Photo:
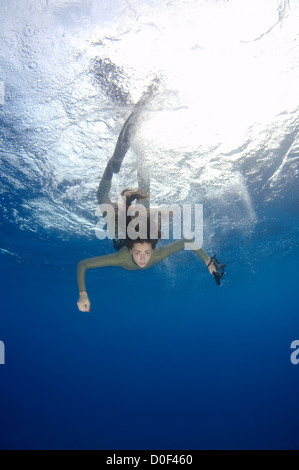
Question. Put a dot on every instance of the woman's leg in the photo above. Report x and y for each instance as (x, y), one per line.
(123, 145)
(143, 179)
(114, 164)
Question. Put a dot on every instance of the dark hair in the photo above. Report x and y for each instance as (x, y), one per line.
(137, 195)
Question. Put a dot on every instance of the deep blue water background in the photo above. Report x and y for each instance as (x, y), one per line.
(164, 360)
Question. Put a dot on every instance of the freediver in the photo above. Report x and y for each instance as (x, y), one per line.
(139, 253)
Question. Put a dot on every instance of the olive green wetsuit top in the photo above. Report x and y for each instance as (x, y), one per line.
(123, 259)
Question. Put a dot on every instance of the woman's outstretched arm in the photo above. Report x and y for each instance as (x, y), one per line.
(179, 245)
(97, 262)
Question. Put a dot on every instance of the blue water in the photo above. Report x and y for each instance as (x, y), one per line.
(165, 359)
(191, 366)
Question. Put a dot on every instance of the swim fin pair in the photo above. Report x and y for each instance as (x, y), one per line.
(219, 269)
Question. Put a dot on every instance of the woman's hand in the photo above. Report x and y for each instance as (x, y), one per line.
(83, 302)
(216, 269)
(212, 268)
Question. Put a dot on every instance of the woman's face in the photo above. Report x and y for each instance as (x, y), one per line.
(141, 253)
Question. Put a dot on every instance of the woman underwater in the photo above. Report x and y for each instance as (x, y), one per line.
(141, 252)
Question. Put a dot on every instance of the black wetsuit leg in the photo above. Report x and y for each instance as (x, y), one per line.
(114, 164)
(123, 145)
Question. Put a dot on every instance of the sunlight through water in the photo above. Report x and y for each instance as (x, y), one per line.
(221, 129)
